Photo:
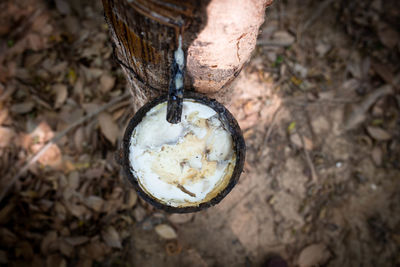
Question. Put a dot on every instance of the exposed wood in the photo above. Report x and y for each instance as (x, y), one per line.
(218, 38)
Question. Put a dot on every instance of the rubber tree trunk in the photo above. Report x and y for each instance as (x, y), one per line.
(218, 38)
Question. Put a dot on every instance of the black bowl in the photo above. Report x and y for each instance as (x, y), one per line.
(230, 124)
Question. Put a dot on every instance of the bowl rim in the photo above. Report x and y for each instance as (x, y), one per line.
(233, 127)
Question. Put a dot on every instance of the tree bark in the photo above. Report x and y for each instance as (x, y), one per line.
(218, 38)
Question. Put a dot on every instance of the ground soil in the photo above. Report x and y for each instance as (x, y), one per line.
(319, 108)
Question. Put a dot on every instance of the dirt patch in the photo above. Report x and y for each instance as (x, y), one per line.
(319, 108)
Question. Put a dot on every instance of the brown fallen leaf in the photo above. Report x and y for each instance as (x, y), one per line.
(384, 71)
(165, 231)
(106, 83)
(76, 240)
(85, 263)
(108, 127)
(3, 257)
(6, 136)
(24, 250)
(139, 213)
(56, 260)
(3, 115)
(60, 210)
(48, 241)
(22, 108)
(34, 141)
(377, 155)
(73, 180)
(96, 250)
(388, 35)
(63, 7)
(295, 139)
(131, 198)
(378, 133)
(7, 237)
(6, 212)
(180, 218)
(279, 38)
(111, 237)
(65, 248)
(313, 255)
(79, 211)
(95, 203)
(355, 114)
(61, 94)
(79, 138)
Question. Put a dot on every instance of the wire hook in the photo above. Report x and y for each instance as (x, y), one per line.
(175, 93)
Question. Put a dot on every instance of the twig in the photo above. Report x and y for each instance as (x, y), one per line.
(314, 175)
(54, 140)
(318, 12)
(269, 131)
(271, 126)
(322, 6)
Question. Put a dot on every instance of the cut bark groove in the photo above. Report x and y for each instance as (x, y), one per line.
(218, 38)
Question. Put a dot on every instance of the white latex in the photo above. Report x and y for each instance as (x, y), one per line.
(171, 160)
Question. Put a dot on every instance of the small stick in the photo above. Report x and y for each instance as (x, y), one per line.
(54, 140)
(272, 124)
(309, 161)
(316, 13)
(184, 190)
(269, 131)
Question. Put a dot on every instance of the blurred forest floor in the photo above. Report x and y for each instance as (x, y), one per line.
(319, 107)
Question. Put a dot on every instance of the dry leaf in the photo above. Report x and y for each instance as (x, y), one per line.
(61, 93)
(139, 213)
(313, 255)
(34, 141)
(283, 38)
(116, 193)
(22, 108)
(85, 263)
(296, 139)
(63, 7)
(79, 138)
(7, 237)
(79, 211)
(5, 213)
(388, 35)
(355, 114)
(60, 210)
(165, 231)
(322, 49)
(65, 248)
(131, 198)
(3, 257)
(180, 218)
(108, 127)
(111, 237)
(6, 136)
(106, 83)
(95, 250)
(48, 241)
(3, 115)
(76, 240)
(24, 250)
(95, 203)
(73, 180)
(320, 125)
(378, 133)
(56, 261)
(279, 38)
(384, 71)
(377, 155)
